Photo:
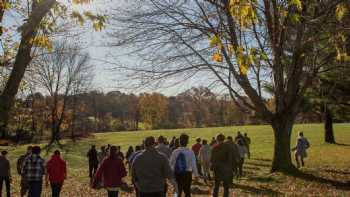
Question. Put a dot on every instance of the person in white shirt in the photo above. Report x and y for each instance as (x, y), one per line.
(183, 162)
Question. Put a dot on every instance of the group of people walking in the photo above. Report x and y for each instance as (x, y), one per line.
(33, 170)
(158, 161)
(151, 166)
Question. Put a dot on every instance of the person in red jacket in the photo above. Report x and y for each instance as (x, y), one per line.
(56, 173)
(112, 170)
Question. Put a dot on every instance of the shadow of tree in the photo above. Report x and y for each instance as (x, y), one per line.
(257, 164)
(313, 178)
(260, 191)
(341, 144)
(262, 179)
(262, 159)
(337, 171)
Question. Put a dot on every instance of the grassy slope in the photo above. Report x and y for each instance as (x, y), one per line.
(328, 162)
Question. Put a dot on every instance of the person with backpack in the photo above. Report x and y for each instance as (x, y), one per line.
(222, 163)
(93, 161)
(204, 157)
(5, 173)
(302, 145)
(24, 183)
(56, 173)
(150, 170)
(34, 169)
(184, 164)
(112, 171)
(195, 148)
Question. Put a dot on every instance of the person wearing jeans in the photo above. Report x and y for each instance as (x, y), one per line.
(5, 173)
(56, 173)
(187, 157)
(33, 170)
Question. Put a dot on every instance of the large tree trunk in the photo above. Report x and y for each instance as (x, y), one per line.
(328, 126)
(23, 58)
(282, 161)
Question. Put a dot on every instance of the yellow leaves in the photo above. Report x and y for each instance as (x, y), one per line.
(341, 11)
(243, 11)
(78, 17)
(297, 4)
(217, 57)
(81, 1)
(42, 42)
(213, 41)
(5, 5)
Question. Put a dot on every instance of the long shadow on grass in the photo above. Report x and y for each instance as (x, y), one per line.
(310, 177)
(258, 164)
(338, 171)
(341, 144)
(260, 191)
(262, 159)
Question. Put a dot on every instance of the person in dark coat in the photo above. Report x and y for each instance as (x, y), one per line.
(235, 154)
(5, 173)
(222, 162)
(93, 161)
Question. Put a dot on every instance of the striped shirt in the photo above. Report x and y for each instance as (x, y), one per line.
(33, 168)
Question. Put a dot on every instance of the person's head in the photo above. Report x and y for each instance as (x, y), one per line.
(36, 150)
(150, 142)
(198, 140)
(205, 142)
(177, 142)
(245, 134)
(4, 153)
(239, 133)
(130, 149)
(161, 140)
(301, 134)
(119, 148)
(240, 142)
(220, 138)
(183, 140)
(57, 153)
(93, 147)
(137, 148)
(113, 151)
(103, 148)
(229, 138)
(29, 149)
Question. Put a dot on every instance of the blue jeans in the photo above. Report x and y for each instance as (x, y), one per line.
(35, 188)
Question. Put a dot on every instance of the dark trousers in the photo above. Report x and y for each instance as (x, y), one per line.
(56, 189)
(92, 169)
(184, 181)
(217, 186)
(7, 183)
(112, 193)
(240, 166)
(153, 194)
(35, 188)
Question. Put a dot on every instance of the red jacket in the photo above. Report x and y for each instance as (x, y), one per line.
(56, 169)
(196, 147)
(112, 170)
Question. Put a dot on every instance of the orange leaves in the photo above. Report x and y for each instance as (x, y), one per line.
(217, 57)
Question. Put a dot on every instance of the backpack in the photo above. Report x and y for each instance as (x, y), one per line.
(180, 164)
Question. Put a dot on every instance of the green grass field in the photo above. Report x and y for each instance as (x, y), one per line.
(329, 165)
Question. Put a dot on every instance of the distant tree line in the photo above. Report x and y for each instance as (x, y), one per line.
(33, 117)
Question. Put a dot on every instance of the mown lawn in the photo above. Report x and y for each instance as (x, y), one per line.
(327, 167)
